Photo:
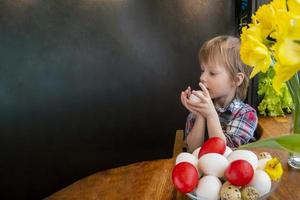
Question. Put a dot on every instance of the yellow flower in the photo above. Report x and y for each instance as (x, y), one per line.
(265, 17)
(294, 7)
(283, 22)
(274, 169)
(287, 51)
(279, 4)
(253, 52)
(283, 74)
(273, 37)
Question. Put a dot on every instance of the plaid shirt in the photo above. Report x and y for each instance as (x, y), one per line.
(238, 122)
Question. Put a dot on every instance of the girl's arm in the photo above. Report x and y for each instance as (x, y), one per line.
(196, 134)
(195, 130)
(207, 109)
(214, 127)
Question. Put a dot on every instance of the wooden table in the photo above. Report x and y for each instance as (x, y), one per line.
(143, 180)
(274, 126)
(152, 179)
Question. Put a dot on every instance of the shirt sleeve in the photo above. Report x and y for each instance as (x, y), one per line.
(190, 121)
(241, 129)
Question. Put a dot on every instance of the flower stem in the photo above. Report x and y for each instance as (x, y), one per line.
(294, 88)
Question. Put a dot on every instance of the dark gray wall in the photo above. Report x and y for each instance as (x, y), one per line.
(87, 85)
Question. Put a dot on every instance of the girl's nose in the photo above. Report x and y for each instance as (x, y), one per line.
(202, 78)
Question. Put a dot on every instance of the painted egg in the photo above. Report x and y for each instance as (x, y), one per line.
(239, 172)
(212, 145)
(185, 177)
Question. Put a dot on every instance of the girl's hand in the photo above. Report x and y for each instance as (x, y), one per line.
(185, 95)
(205, 107)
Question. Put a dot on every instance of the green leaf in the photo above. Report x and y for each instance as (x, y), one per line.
(290, 143)
(273, 103)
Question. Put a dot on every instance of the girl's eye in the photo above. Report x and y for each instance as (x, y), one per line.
(212, 73)
(201, 70)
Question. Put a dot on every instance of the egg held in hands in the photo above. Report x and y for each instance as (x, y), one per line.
(194, 98)
(185, 177)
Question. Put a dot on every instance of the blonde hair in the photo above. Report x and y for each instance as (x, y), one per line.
(226, 50)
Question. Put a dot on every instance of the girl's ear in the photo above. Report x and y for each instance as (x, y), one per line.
(239, 78)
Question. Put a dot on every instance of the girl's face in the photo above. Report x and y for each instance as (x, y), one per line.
(218, 82)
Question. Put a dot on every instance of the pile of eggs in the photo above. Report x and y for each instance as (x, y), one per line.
(214, 172)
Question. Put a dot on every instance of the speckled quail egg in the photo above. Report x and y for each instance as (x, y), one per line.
(230, 192)
(264, 155)
(227, 183)
(249, 193)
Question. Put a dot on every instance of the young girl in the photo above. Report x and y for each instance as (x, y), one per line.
(220, 111)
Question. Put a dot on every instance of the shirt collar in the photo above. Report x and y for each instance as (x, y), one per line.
(235, 103)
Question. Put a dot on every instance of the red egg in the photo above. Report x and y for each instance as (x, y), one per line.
(212, 145)
(185, 177)
(239, 172)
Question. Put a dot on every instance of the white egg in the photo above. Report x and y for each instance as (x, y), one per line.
(213, 164)
(209, 188)
(227, 151)
(243, 155)
(196, 152)
(262, 163)
(261, 181)
(187, 157)
(194, 98)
